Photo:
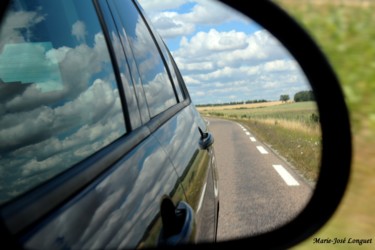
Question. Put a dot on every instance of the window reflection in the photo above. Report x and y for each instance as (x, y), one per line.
(156, 83)
(59, 101)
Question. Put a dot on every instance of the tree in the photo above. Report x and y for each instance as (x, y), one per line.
(304, 96)
(284, 98)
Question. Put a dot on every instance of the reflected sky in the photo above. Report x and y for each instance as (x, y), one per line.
(130, 193)
(60, 101)
(156, 83)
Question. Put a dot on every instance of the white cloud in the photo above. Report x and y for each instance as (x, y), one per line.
(237, 46)
(172, 24)
(76, 66)
(191, 80)
(280, 65)
(35, 165)
(25, 127)
(199, 93)
(208, 12)
(79, 31)
(197, 66)
(10, 30)
(90, 106)
(228, 49)
(157, 5)
(159, 97)
(36, 127)
(236, 64)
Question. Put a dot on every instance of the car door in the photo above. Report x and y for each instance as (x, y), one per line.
(79, 168)
(195, 166)
(188, 143)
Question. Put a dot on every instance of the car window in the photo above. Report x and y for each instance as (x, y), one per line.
(154, 76)
(59, 101)
(172, 71)
(177, 78)
(168, 59)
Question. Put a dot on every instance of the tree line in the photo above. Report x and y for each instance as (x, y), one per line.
(302, 96)
(232, 103)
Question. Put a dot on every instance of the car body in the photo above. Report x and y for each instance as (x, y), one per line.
(100, 144)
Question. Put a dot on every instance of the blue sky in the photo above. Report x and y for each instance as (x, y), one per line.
(222, 55)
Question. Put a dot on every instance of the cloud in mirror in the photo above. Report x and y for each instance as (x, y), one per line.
(60, 103)
(150, 64)
(225, 56)
(96, 220)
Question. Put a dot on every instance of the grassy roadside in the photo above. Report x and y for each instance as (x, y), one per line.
(290, 129)
(345, 32)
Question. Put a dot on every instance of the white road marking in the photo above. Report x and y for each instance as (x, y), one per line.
(247, 133)
(262, 150)
(244, 129)
(253, 139)
(288, 178)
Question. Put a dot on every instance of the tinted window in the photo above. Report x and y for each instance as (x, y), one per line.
(168, 58)
(59, 101)
(177, 78)
(172, 71)
(156, 83)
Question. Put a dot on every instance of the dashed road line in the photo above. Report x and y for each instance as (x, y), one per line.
(284, 174)
(288, 178)
(262, 150)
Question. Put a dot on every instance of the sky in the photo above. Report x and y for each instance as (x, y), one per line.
(223, 55)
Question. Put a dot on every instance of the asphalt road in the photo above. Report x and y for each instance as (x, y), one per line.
(254, 196)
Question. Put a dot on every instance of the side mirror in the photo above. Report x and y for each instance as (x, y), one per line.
(335, 155)
(335, 127)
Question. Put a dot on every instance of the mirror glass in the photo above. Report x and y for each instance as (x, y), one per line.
(259, 106)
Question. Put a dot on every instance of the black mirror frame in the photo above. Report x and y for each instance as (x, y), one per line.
(335, 125)
(337, 147)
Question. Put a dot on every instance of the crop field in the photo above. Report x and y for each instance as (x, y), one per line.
(239, 106)
(302, 113)
(290, 129)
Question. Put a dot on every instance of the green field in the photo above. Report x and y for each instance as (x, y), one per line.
(304, 113)
(290, 129)
(345, 31)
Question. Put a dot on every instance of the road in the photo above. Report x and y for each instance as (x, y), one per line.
(258, 189)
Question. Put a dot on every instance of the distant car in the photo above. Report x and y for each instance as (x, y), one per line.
(100, 144)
